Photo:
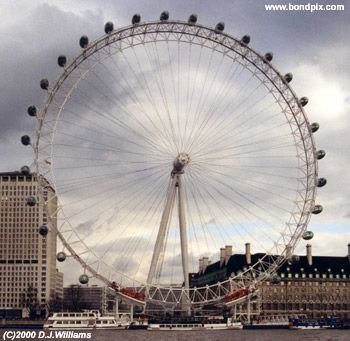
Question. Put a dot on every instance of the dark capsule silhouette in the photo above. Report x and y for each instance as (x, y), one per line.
(109, 27)
(320, 154)
(192, 18)
(43, 230)
(220, 26)
(276, 279)
(288, 77)
(317, 209)
(83, 279)
(164, 15)
(61, 256)
(136, 19)
(303, 101)
(44, 84)
(294, 259)
(268, 56)
(62, 60)
(32, 111)
(307, 235)
(25, 170)
(31, 201)
(245, 39)
(314, 127)
(84, 42)
(321, 182)
(25, 139)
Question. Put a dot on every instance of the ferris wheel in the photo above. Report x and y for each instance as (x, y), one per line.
(165, 141)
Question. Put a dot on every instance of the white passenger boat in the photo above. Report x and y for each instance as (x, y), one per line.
(87, 320)
(205, 324)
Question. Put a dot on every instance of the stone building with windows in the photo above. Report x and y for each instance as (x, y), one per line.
(28, 277)
(314, 285)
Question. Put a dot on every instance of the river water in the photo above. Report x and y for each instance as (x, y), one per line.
(208, 335)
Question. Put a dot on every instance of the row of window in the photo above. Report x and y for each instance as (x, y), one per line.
(317, 275)
(18, 212)
(18, 178)
(9, 187)
(304, 306)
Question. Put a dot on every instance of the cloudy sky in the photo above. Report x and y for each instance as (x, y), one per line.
(313, 46)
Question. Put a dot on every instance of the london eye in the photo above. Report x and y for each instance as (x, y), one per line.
(165, 141)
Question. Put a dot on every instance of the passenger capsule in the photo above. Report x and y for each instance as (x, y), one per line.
(303, 101)
(276, 279)
(84, 42)
(307, 235)
(268, 56)
(294, 259)
(109, 27)
(245, 39)
(321, 182)
(288, 77)
(25, 139)
(320, 154)
(220, 26)
(32, 111)
(83, 279)
(136, 19)
(25, 170)
(61, 256)
(43, 230)
(314, 127)
(317, 209)
(62, 60)
(164, 15)
(44, 84)
(192, 19)
(31, 201)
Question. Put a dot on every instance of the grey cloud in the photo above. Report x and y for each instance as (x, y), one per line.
(29, 57)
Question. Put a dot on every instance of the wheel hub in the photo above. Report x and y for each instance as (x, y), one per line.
(180, 162)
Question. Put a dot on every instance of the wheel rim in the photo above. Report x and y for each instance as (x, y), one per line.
(203, 136)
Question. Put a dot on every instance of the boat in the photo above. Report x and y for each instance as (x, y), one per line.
(269, 322)
(195, 324)
(91, 319)
(321, 323)
(137, 325)
(312, 324)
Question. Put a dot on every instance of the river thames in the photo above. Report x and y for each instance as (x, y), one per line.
(242, 335)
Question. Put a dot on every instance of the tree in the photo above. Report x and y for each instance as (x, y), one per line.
(29, 300)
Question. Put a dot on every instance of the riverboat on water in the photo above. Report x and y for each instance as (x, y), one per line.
(321, 323)
(87, 320)
(205, 324)
(269, 322)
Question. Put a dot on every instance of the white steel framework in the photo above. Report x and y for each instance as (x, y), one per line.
(63, 101)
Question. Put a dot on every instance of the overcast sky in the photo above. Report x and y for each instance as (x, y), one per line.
(313, 46)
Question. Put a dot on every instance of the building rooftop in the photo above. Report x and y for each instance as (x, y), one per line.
(15, 173)
(320, 265)
(29, 176)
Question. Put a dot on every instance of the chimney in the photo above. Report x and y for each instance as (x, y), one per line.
(288, 252)
(228, 253)
(222, 256)
(248, 257)
(205, 264)
(309, 254)
(200, 265)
